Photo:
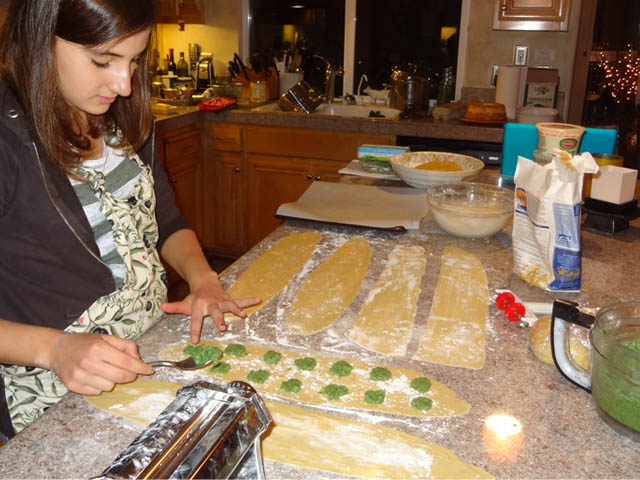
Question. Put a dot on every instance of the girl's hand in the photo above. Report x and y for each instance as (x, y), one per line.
(89, 363)
(208, 298)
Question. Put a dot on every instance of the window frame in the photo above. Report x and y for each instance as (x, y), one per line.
(350, 22)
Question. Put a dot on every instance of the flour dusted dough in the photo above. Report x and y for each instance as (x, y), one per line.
(398, 390)
(579, 345)
(386, 318)
(310, 439)
(275, 268)
(323, 442)
(456, 325)
(330, 288)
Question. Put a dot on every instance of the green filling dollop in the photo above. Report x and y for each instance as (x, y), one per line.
(258, 376)
(221, 368)
(235, 350)
(632, 344)
(421, 384)
(422, 403)
(307, 363)
(334, 392)
(380, 374)
(375, 397)
(272, 357)
(293, 385)
(202, 354)
(341, 368)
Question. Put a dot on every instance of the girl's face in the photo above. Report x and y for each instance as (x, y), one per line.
(91, 78)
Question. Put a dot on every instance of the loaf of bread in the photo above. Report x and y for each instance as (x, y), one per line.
(485, 112)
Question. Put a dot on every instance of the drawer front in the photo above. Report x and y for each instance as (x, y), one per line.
(227, 138)
(310, 143)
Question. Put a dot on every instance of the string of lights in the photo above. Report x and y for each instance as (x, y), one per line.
(621, 75)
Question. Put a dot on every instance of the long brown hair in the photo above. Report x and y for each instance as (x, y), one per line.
(28, 65)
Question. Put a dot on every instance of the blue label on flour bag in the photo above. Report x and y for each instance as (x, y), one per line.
(567, 264)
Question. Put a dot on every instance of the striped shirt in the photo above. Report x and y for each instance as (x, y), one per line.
(121, 175)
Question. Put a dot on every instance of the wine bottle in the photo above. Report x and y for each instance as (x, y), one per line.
(183, 67)
(172, 63)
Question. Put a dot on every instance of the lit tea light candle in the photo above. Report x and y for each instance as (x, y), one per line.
(502, 437)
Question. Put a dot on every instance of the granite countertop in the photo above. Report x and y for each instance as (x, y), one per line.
(563, 434)
(424, 127)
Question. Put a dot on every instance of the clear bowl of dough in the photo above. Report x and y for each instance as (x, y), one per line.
(470, 210)
(423, 169)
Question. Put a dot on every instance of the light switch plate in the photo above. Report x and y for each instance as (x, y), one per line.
(521, 55)
(494, 75)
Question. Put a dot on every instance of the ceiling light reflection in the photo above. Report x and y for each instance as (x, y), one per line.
(502, 437)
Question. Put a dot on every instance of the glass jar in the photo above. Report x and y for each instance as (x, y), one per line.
(447, 87)
(615, 362)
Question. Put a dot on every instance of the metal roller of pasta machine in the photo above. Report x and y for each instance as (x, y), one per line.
(208, 431)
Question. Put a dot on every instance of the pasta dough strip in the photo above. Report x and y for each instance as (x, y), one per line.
(456, 324)
(386, 318)
(330, 288)
(311, 439)
(274, 269)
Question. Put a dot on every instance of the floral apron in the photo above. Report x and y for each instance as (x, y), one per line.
(127, 312)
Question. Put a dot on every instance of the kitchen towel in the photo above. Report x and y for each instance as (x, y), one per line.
(397, 208)
(510, 88)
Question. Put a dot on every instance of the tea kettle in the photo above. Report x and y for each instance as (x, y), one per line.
(614, 376)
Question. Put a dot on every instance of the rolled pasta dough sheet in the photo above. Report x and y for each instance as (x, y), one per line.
(311, 439)
(385, 320)
(330, 288)
(274, 269)
(457, 320)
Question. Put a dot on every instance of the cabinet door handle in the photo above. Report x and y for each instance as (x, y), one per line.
(172, 180)
(309, 177)
(237, 169)
(503, 8)
(318, 177)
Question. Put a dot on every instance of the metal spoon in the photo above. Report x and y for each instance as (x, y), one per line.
(187, 364)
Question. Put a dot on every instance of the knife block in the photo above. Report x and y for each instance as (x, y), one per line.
(272, 82)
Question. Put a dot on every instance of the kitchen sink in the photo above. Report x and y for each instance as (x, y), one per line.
(339, 110)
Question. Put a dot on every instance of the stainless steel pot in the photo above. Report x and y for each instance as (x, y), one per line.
(409, 90)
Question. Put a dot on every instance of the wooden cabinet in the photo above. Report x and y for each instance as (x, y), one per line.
(225, 191)
(180, 11)
(542, 15)
(273, 181)
(180, 151)
(255, 169)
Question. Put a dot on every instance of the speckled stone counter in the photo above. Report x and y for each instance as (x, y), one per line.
(563, 436)
(425, 127)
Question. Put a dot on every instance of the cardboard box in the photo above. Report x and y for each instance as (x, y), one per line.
(375, 158)
(541, 88)
(614, 184)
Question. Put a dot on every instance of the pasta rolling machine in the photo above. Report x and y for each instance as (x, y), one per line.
(208, 431)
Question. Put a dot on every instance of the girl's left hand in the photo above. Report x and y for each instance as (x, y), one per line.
(207, 298)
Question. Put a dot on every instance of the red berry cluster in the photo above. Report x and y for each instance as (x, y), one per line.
(513, 310)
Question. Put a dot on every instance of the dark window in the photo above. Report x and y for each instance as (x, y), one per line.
(419, 34)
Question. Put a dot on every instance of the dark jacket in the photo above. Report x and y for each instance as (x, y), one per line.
(50, 267)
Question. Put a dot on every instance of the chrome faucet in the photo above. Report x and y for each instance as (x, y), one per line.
(329, 78)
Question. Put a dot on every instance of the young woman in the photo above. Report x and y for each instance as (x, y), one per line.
(85, 207)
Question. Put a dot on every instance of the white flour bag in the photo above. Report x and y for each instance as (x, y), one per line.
(546, 221)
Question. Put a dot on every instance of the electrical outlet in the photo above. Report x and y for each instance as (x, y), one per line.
(494, 75)
(521, 55)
